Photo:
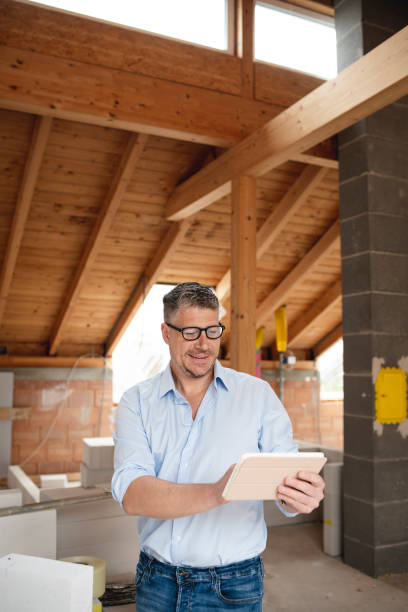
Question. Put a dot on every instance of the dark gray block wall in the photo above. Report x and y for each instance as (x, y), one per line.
(373, 175)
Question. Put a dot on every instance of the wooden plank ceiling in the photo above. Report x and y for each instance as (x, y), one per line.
(85, 197)
(75, 171)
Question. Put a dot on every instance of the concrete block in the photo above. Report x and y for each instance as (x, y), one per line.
(348, 14)
(10, 498)
(371, 270)
(91, 477)
(101, 529)
(29, 533)
(97, 453)
(32, 584)
(18, 479)
(53, 481)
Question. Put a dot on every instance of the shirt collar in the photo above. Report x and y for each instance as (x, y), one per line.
(167, 382)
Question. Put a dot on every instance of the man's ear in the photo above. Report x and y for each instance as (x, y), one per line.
(165, 332)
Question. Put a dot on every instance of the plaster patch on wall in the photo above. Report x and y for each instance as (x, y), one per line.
(51, 398)
(376, 364)
(85, 411)
(403, 363)
(378, 428)
(403, 429)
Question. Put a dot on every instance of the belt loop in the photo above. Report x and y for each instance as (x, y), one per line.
(214, 578)
(148, 567)
(262, 567)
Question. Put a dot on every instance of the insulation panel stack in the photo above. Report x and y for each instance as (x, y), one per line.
(97, 461)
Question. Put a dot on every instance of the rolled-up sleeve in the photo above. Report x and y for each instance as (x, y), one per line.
(133, 457)
(276, 432)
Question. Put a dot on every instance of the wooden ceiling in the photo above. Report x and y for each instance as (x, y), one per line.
(99, 146)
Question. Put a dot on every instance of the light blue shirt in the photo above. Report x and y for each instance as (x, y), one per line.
(157, 436)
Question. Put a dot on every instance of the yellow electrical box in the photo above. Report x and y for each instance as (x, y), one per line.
(281, 329)
(391, 396)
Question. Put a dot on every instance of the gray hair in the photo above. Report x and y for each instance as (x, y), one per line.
(189, 294)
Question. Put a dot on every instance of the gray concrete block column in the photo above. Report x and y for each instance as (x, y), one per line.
(373, 178)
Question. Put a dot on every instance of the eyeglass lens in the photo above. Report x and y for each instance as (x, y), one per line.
(192, 333)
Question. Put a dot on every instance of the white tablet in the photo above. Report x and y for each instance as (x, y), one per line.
(257, 475)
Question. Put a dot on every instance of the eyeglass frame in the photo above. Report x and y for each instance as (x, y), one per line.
(201, 329)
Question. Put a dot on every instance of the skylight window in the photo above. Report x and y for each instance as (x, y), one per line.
(203, 22)
(297, 40)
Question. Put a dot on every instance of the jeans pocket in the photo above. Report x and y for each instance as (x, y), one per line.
(240, 589)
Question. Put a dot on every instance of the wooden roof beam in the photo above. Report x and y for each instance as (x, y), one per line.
(150, 276)
(313, 313)
(375, 80)
(124, 173)
(274, 224)
(35, 156)
(323, 154)
(316, 254)
(328, 340)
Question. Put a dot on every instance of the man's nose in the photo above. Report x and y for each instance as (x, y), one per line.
(202, 340)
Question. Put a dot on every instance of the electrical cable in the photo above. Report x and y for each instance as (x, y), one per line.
(62, 404)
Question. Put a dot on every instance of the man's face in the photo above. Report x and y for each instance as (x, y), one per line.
(193, 358)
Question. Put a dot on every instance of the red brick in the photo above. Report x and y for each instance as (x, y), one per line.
(51, 467)
(58, 434)
(71, 467)
(75, 434)
(28, 447)
(77, 451)
(30, 468)
(26, 435)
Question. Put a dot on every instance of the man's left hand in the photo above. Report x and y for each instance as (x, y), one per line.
(302, 494)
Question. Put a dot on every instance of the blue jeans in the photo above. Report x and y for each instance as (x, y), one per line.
(165, 588)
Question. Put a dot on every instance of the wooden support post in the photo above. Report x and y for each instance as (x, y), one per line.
(245, 44)
(243, 275)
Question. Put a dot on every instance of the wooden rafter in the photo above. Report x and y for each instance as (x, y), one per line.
(35, 156)
(323, 154)
(375, 80)
(27, 361)
(312, 5)
(328, 340)
(318, 252)
(273, 225)
(150, 276)
(316, 311)
(133, 151)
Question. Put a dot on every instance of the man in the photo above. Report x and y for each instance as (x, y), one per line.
(178, 436)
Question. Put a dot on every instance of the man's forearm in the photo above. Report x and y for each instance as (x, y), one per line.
(161, 499)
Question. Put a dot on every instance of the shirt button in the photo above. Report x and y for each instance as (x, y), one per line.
(178, 538)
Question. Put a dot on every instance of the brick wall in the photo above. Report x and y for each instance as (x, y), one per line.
(331, 423)
(78, 404)
(313, 420)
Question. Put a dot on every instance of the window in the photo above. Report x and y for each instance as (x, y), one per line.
(141, 352)
(330, 366)
(297, 39)
(203, 22)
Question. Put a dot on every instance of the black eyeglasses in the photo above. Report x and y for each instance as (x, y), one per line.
(193, 333)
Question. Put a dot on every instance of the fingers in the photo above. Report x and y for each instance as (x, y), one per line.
(304, 493)
(312, 477)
